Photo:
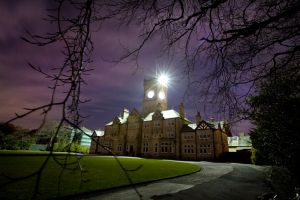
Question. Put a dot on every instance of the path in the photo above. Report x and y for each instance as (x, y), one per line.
(215, 181)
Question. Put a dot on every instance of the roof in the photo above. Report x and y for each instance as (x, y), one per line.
(122, 121)
(209, 124)
(99, 132)
(216, 124)
(167, 114)
(193, 126)
(86, 131)
(188, 128)
(82, 129)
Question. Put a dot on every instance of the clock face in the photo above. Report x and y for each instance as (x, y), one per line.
(161, 95)
(150, 94)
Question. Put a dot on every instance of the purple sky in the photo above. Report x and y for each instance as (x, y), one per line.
(110, 87)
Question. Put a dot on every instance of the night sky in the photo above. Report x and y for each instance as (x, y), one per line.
(110, 87)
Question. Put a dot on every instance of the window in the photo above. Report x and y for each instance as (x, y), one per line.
(120, 147)
(188, 137)
(205, 149)
(157, 124)
(108, 145)
(145, 147)
(156, 147)
(166, 147)
(188, 149)
(170, 134)
(162, 147)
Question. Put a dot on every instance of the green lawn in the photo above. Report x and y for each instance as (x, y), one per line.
(99, 173)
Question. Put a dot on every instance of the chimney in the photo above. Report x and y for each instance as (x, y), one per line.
(198, 118)
(125, 113)
(212, 120)
(219, 126)
(181, 110)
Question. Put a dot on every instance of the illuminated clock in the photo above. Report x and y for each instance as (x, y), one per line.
(161, 95)
(150, 94)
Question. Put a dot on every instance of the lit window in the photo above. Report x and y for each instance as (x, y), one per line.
(150, 94)
(162, 95)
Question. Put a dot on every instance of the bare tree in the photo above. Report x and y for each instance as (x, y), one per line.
(241, 42)
(73, 20)
(73, 32)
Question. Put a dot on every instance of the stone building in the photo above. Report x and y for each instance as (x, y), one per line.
(157, 132)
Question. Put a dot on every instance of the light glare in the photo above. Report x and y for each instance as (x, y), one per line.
(163, 80)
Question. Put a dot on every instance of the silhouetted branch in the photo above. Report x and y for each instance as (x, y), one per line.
(241, 41)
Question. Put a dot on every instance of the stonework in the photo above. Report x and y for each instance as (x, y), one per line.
(161, 133)
(151, 103)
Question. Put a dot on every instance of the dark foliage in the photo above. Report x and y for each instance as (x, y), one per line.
(242, 43)
(15, 138)
(7, 128)
(275, 111)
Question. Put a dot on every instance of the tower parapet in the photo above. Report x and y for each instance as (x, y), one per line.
(154, 93)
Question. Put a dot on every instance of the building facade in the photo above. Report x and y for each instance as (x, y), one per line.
(157, 132)
(239, 143)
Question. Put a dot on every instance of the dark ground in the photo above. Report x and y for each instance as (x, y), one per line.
(226, 181)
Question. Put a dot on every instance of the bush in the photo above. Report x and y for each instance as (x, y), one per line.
(9, 143)
(282, 182)
(258, 158)
(70, 147)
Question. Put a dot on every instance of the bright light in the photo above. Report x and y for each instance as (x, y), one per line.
(161, 95)
(150, 94)
(163, 80)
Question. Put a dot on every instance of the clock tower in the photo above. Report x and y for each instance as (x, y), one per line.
(155, 93)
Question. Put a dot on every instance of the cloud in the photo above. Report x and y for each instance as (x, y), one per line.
(111, 87)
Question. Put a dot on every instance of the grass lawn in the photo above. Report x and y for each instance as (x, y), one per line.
(99, 173)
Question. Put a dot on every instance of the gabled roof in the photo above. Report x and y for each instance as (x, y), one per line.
(82, 129)
(122, 120)
(203, 125)
(187, 128)
(86, 131)
(134, 112)
(98, 133)
(193, 126)
(167, 114)
(211, 125)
